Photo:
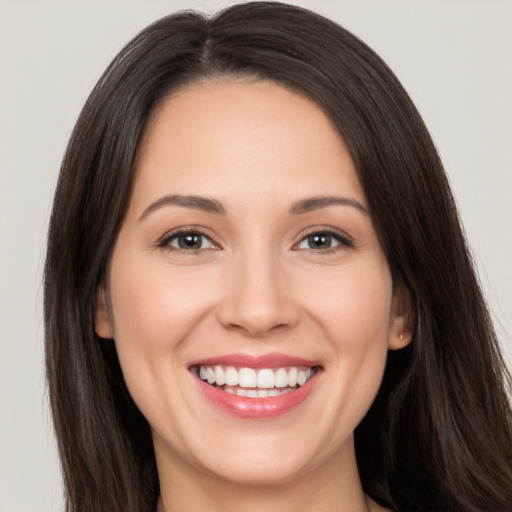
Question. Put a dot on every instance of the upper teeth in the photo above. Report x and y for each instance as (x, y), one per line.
(265, 378)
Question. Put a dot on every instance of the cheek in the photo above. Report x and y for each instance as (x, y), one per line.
(356, 321)
(363, 311)
(153, 309)
(353, 307)
(353, 304)
(153, 306)
(360, 327)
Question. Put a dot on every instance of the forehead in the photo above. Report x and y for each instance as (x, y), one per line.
(221, 138)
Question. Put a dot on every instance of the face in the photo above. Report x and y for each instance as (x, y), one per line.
(251, 304)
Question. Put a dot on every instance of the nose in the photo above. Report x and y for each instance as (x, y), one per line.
(257, 297)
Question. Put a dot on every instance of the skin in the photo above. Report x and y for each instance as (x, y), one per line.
(257, 286)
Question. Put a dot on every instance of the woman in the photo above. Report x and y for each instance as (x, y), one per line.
(249, 216)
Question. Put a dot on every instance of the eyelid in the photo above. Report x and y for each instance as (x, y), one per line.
(164, 241)
(344, 239)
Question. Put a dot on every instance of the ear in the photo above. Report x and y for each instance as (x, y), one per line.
(402, 321)
(102, 322)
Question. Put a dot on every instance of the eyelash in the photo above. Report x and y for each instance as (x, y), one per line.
(343, 241)
(165, 242)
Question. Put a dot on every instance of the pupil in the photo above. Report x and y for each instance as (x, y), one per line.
(190, 241)
(319, 241)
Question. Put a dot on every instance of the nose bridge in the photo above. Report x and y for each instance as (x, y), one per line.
(256, 298)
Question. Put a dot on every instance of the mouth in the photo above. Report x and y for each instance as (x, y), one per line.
(256, 387)
(255, 383)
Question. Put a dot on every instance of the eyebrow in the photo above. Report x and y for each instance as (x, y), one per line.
(195, 202)
(319, 202)
(214, 206)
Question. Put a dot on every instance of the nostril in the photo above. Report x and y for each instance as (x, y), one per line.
(258, 321)
(256, 298)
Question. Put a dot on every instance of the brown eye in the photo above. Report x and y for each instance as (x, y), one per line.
(188, 241)
(323, 241)
(320, 241)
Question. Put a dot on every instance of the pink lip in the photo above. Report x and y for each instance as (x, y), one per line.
(274, 360)
(256, 408)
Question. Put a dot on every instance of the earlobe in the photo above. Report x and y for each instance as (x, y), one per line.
(398, 342)
(102, 321)
(401, 328)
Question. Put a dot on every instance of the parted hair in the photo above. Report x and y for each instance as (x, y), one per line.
(438, 436)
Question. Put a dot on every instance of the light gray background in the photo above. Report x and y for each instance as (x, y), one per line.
(454, 57)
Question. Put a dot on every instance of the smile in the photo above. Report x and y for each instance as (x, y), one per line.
(256, 387)
(255, 383)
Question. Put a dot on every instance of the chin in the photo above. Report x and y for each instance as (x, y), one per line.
(266, 461)
(249, 472)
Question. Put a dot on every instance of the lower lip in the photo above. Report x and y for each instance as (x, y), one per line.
(257, 408)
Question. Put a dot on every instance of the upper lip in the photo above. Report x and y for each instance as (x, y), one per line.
(273, 360)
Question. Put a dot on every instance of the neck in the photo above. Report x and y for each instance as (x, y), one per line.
(333, 485)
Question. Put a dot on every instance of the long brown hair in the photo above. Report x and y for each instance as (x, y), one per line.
(439, 434)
